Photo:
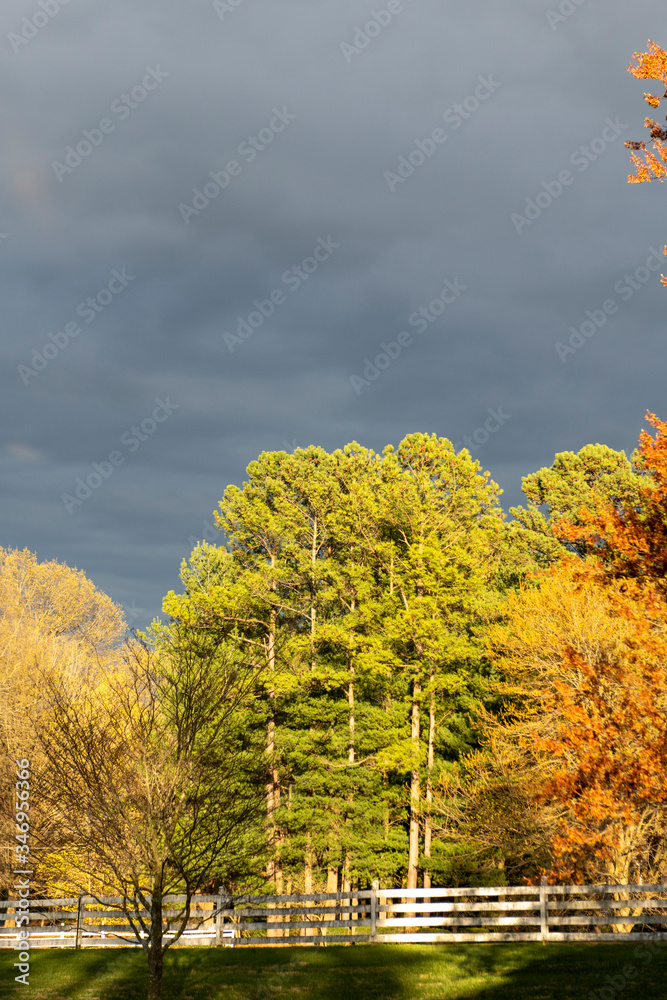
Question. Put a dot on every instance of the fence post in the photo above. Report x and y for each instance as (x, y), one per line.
(79, 923)
(218, 922)
(374, 911)
(544, 913)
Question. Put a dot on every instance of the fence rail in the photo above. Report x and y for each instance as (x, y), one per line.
(447, 915)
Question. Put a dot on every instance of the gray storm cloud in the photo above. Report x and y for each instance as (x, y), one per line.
(209, 149)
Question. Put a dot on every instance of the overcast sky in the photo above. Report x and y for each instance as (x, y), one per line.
(372, 160)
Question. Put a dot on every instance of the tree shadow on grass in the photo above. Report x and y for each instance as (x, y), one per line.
(508, 971)
(65, 974)
(559, 971)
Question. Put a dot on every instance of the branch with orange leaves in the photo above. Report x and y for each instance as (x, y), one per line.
(650, 65)
(631, 543)
(611, 754)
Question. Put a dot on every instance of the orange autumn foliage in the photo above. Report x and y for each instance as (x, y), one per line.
(632, 542)
(612, 758)
(610, 746)
(495, 803)
(650, 65)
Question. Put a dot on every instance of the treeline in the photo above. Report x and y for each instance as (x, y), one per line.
(411, 643)
(361, 582)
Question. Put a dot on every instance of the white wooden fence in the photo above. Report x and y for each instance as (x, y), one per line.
(497, 913)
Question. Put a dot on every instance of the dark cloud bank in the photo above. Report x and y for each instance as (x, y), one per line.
(241, 226)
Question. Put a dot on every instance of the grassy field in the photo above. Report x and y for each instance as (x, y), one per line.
(363, 972)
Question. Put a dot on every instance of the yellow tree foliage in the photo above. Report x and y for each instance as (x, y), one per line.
(53, 622)
(650, 65)
(57, 600)
(51, 618)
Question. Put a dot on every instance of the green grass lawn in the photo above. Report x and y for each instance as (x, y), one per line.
(362, 972)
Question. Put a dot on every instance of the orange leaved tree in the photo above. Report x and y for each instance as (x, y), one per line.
(496, 805)
(610, 746)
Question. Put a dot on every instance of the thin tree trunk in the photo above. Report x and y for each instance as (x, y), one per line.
(273, 783)
(350, 702)
(415, 791)
(308, 856)
(385, 784)
(332, 886)
(308, 867)
(346, 883)
(428, 832)
(307, 880)
(274, 869)
(345, 886)
(415, 736)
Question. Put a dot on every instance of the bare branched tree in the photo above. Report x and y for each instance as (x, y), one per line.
(153, 783)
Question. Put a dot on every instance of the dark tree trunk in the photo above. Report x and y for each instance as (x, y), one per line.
(155, 966)
(155, 951)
